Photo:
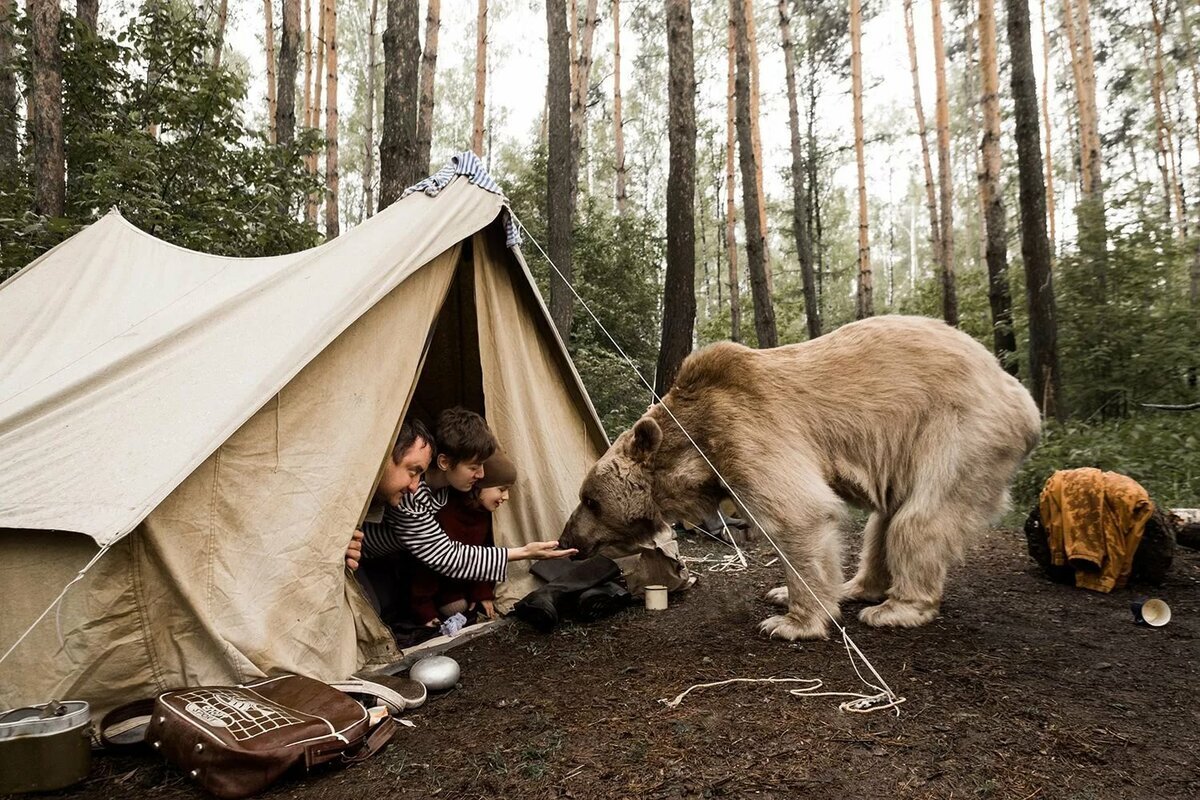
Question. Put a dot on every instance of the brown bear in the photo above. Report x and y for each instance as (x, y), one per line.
(903, 416)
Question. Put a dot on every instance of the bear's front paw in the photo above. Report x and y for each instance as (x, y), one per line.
(897, 614)
(778, 596)
(792, 628)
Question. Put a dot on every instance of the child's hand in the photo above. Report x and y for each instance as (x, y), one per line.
(354, 550)
(538, 551)
(488, 607)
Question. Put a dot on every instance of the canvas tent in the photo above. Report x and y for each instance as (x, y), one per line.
(217, 424)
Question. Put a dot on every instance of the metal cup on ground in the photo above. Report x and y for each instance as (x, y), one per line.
(656, 598)
(44, 747)
(1150, 611)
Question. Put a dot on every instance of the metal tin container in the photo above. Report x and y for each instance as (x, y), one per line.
(44, 747)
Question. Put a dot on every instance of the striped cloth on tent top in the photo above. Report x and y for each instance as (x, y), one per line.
(468, 164)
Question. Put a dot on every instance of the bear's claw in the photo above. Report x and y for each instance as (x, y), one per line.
(790, 628)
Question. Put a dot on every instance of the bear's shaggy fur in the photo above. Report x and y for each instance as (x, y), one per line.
(903, 416)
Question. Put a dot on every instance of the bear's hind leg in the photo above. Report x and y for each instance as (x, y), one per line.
(871, 582)
(922, 541)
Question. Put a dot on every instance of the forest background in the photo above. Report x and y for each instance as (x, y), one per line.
(699, 171)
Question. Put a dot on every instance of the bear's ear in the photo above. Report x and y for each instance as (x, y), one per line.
(647, 436)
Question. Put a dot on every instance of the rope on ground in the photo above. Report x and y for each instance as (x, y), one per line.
(884, 692)
(861, 704)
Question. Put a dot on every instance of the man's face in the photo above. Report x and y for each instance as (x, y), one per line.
(405, 476)
(463, 475)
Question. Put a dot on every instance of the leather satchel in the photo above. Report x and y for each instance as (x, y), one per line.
(235, 741)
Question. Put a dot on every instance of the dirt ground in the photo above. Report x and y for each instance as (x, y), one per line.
(1020, 689)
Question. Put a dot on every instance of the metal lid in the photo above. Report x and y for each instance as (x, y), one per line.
(29, 721)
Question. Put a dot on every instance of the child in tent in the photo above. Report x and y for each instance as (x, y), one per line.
(467, 518)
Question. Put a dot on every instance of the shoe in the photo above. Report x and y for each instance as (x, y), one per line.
(601, 601)
(539, 611)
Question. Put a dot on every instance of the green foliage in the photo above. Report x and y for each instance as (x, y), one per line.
(1161, 451)
(1135, 342)
(151, 128)
(616, 263)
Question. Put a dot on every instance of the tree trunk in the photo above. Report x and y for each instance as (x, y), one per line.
(865, 306)
(219, 43)
(1044, 375)
(756, 138)
(812, 311)
(8, 98)
(398, 158)
(332, 225)
(1004, 340)
(735, 300)
(1046, 124)
(369, 144)
(1093, 233)
(946, 195)
(935, 239)
(289, 55)
(269, 40)
(433, 24)
(560, 190)
(87, 12)
(679, 287)
(45, 122)
(618, 122)
(1163, 109)
(308, 65)
(312, 206)
(480, 76)
(764, 311)
(582, 71)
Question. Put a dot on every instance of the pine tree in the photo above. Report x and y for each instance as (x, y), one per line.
(399, 161)
(935, 239)
(289, 53)
(812, 309)
(269, 39)
(560, 172)
(1044, 375)
(679, 292)
(86, 11)
(219, 45)
(369, 139)
(480, 76)
(45, 121)
(764, 310)
(865, 306)
(8, 98)
(433, 23)
(332, 224)
(945, 194)
(1004, 341)
(735, 302)
(618, 122)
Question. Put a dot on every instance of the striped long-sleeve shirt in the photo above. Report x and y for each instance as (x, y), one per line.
(411, 526)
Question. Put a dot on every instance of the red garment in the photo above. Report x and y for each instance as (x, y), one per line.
(427, 590)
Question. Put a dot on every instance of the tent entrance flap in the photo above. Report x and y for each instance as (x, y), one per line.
(452, 374)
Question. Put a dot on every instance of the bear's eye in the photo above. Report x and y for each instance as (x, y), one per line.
(591, 505)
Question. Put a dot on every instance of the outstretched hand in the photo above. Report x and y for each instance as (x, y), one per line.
(354, 550)
(540, 551)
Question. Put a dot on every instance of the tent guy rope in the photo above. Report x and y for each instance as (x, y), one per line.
(884, 698)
